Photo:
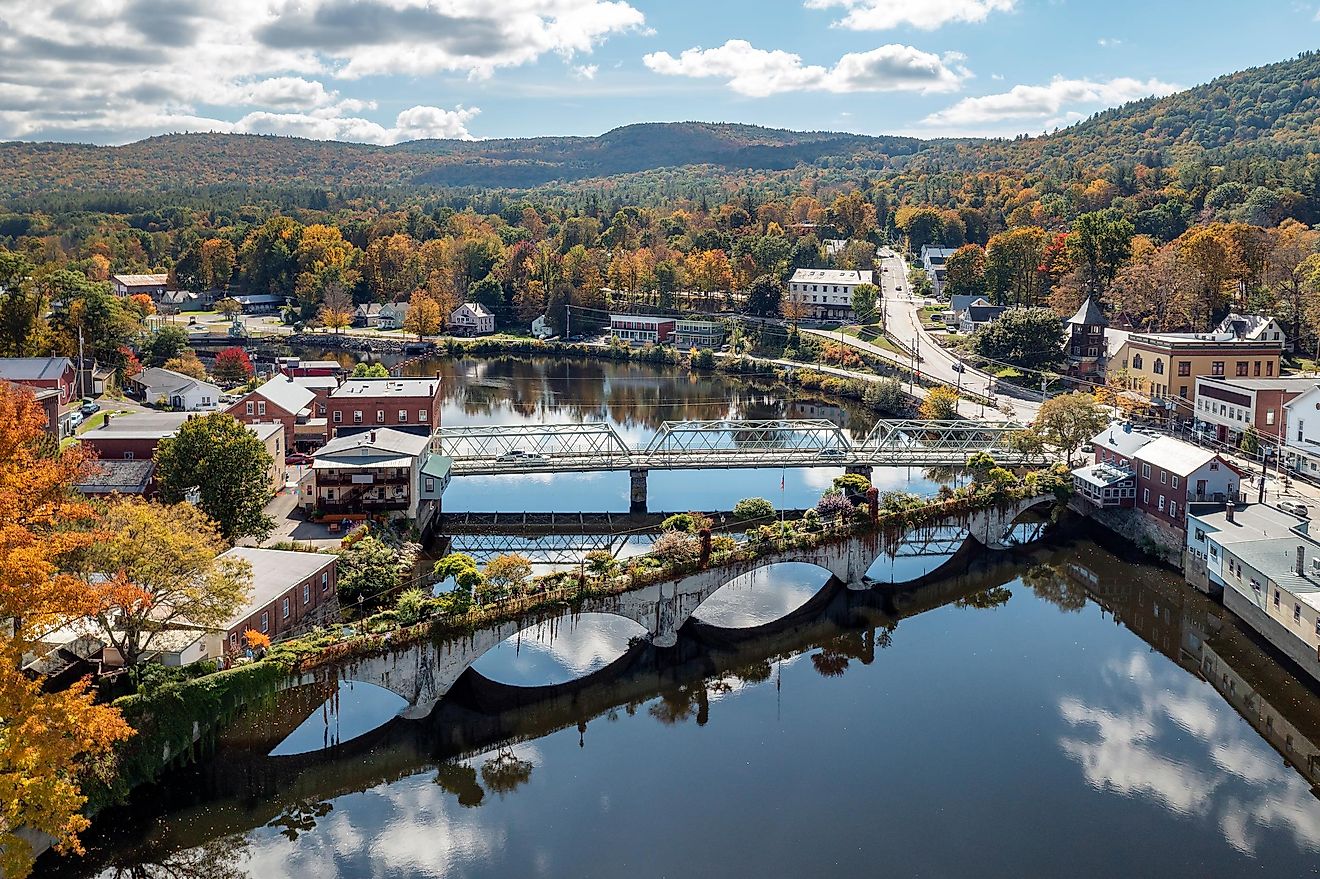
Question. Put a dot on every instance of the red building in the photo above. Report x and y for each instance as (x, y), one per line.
(1172, 474)
(1228, 406)
(411, 405)
(132, 437)
(284, 400)
(291, 592)
(638, 329)
(297, 367)
(42, 373)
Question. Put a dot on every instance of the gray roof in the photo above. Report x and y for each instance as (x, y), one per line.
(1252, 522)
(317, 381)
(142, 425)
(1089, 314)
(386, 387)
(167, 381)
(286, 393)
(1277, 559)
(960, 303)
(125, 477)
(274, 572)
(33, 368)
(385, 440)
(979, 314)
(1296, 383)
(1123, 439)
(1174, 455)
(438, 466)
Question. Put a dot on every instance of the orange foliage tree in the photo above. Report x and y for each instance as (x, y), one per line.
(48, 741)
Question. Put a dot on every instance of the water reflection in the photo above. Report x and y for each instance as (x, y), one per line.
(762, 596)
(558, 651)
(354, 709)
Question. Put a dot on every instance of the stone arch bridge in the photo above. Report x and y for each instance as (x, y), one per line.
(423, 672)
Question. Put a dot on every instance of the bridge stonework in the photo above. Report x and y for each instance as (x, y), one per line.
(423, 672)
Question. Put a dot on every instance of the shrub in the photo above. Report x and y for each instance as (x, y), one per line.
(852, 484)
(834, 504)
(886, 395)
(703, 359)
(753, 508)
(600, 562)
(412, 606)
(676, 546)
(688, 523)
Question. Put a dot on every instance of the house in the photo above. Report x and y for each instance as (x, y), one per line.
(42, 373)
(1266, 564)
(155, 385)
(541, 328)
(977, 316)
(1172, 474)
(411, 405)
(132, 437)
(366, 314)
(175, 301)
(472, 319)
(1106, 485)
(958, 306)
(826, 294)
(49, 402)
(1229, 406)
(933, 260)
(1301, 450)
(1254, 328)
(391, 316)
(261, 303)
(118, 476)
(1085, 341)
(1163, 367)
(1118, 444)
(153, 285)
(92, 378)
(291, 592)
(834, 246)
(639, 329)
(698, 334)
(284, 401)
(373, 472)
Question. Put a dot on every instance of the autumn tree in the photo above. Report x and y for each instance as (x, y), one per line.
(853, 215)
(49, 742)
(1012, 265)
(920, 226)
(389, 267)
(187, 363)
(337, 309)
(940, 404)
(1031, 338)
(233, 366)
(1069, 421)
(165, 344)
(167, 555)
(964, 271)
(507, 573)
(227, 465)
(424, 317)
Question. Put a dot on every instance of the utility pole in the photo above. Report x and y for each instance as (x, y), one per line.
(82, 390)
(568, 321)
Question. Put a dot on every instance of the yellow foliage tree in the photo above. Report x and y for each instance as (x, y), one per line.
(187, 364)
(48, 741)
(424, 317)
(941, 404)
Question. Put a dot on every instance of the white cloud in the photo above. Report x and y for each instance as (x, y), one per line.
(1109, 42)
(762, 72)
(586, 71)
(1045, 103)
(114, 70)
(878, 15)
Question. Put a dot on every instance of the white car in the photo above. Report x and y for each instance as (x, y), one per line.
(518, 456)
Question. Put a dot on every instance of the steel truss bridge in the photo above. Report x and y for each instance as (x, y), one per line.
(698, 445)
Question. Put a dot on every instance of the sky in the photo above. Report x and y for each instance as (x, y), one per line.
(388, 71)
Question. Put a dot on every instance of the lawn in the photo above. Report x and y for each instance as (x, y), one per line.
(873, 333)
(98, 419)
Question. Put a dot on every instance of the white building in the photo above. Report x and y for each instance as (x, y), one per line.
(472, 319)
(1254, 328)
(541, 328)
(933, 260)
(826, 294)
(1301, 448)
(376, 471)
(176, 390)
(698, 334)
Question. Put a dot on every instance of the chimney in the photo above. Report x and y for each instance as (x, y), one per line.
(1301, 561)
(1228, 511)
(371, 438)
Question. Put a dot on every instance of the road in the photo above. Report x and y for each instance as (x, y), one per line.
(903, 320)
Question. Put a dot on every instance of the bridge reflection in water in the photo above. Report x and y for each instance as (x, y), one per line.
(837, 630)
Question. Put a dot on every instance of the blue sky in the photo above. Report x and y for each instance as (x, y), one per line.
(385, 71)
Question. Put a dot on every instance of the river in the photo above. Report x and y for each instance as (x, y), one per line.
(1055, 711)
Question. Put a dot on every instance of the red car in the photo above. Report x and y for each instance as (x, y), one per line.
(297, 458)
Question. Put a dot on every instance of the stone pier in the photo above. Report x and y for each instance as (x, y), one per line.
(637, 491)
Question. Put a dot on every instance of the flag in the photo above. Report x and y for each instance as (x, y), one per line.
(781, 482)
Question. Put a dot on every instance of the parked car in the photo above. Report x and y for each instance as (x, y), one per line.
(297, 458)
(831, 453)
(1294, 509)
(957, 366)
(518, 456)
(89, 406)
(75, 419)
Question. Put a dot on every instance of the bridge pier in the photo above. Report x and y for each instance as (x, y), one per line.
(637, 491)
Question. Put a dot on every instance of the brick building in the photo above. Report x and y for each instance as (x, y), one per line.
(411, 405)
(42, 373)
(1230, 405)
(291, 592)
(281, 400)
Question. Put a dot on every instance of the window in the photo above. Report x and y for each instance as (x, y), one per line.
(325, 582)
(251, 407)
(1145, 495)
(430, 485)
(1159, 366)
(357, 416)
(1301, 425)
(421, 415)
(1297, 613)
(403, 416)
(1217, 367)
(380, 416)
(1269, 368)
(1145, 471)
(261, 407)
(1136, 361)
(339, 417)
(1175, 481)
(284, 608)
(1182, 391)
(1269, 416)
(1256, 368)
(1164, 477)
(233, 636)
(1276, 598)
(307, 592)
(1200, 535)
(1161, 504)
(1242, 367)
(265, 621)
(1173, 509)
(1184, 367)
(128, 456)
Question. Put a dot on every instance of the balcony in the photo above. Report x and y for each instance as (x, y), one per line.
(362, 505)
(359, 480)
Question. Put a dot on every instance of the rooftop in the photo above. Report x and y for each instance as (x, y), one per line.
(167, 380)
(274, 572)
(1089, 314)
(1194, 340)
(387, 387)
(316, 382)
(33, 368)
(1252, 522)
(112, 475)
(1285, 383)
(831, 276)
(287, 393)
(142, 280)
(1174, 455)
(476, 308)
(1103, 475)
(1123, 439)
(143, 425)
(381, 442)
(1277, 559)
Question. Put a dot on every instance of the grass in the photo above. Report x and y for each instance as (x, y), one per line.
(98, 419)
(873, 334)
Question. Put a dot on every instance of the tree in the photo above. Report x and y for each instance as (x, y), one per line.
(964, 271)
(1012, 265)
(370, 370)
(863, 302)
(1069, 421)
(887, 395)
(764, 296)
(165, 344)
(1100, 243)
(462, 569)
(228, 466)
(229, 307)
(920, 225)
(371, 570)
(187, 364)
(48, 741)
(753, 508)
(233, 366)
(941, 404)
(1030, 338)
(507, 572)
(167, 555)
(1250, 444)
(424, 317)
